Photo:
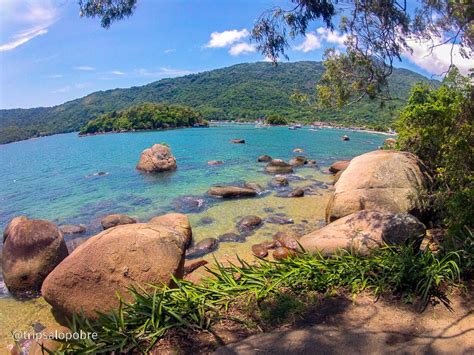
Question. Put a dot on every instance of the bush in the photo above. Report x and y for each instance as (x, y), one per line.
(437, 125)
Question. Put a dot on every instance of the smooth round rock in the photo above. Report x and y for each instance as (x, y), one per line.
(157, 159)
(114, 220)
(278, 166)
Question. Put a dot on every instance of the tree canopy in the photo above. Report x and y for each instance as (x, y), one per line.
(146, 116)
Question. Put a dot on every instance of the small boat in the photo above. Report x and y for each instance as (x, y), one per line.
(345, 137)
(292, 127)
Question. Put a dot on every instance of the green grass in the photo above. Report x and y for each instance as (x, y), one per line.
(274, 288)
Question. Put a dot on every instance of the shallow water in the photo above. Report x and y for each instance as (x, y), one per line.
(52, 178)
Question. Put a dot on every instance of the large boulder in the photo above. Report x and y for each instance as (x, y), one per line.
(31, 250)
(113, 220)
(381, 180)
(363, 231)
(231, 191)
(176, 221)
(278, 166)
(111, 262)
(158, 158)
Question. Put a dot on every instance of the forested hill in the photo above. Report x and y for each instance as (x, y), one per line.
(243, 91)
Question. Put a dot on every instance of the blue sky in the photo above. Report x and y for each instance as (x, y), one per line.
(49, 54)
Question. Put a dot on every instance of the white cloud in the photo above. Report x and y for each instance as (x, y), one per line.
(310, 43)
(226, 38)
(55, 76)
(63, 89)
(84, 68)
(69, 88)
(315, 40)
(242, 48)
(162, 72)
(26, 20)
(117, 72)
(169, 50)
(437, 60)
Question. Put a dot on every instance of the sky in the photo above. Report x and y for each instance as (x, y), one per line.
(50, 55)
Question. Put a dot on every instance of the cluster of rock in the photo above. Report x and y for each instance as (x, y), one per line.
(35, 257)
(375, 202)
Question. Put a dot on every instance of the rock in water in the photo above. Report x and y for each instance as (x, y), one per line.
(339, 166)
(72, 229)
(189, 204)
(362, 232)
(215, 162)
(264, 158)
(238, 141)
(113, 220)
(255, 186)
(203, 247)
(231, 191)
(113, 261)
(279, 181)
(298, 161)
(282, 253)
(298, 150)
(232, 237)
(279, 220)
(298, 192)
(259, 250)
(382, 180)
(31, 250)
(278, 166)
(249, 223)
(157, 159)
(287, 239)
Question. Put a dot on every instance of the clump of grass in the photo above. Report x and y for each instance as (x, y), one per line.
(139, 324)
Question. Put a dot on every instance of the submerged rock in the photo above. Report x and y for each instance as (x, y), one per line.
(114, 220)
(157, 159)
(278, 166)
(72, 228)
(279, 220)
(264, 158)
(279, 181)
(31, 250)
(249, 223)
(202, 248)
(231, 191)
(111, 262)
(206, 221)
(363, 231)
(298, 192)
(215, 162)
(189, 204)
(232, 238)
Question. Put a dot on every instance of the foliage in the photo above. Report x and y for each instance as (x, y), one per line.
(276, 120)
(139, 324)
(108, 10)
(239, 92)
(376, 34)
(144, 116)
(437, 125)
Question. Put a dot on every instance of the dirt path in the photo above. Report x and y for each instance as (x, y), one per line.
(340, 326)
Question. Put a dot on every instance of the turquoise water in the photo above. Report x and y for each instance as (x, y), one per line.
(52, 177)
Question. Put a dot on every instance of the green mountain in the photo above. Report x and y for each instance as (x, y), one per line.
(243, 91)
